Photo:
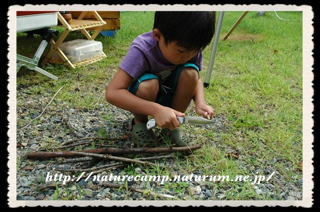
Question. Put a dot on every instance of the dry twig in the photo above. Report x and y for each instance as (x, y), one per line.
(43, 109)
(110, 157)
(74, 160)
(102, 168)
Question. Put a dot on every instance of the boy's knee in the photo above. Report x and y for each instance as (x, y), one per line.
(148, 89)
(189, 75)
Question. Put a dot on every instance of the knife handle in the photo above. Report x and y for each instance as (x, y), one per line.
(180, 119)
(152, 123)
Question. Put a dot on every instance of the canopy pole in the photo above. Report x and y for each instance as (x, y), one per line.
(214, 49)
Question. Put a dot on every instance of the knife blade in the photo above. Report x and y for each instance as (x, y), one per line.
(184, 120)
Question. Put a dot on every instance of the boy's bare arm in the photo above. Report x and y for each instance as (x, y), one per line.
(118, 95)
(199, 99)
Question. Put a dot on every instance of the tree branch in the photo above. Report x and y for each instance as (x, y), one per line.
(113, 151)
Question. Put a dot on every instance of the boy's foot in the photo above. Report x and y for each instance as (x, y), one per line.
(141, 136)
(176, 136)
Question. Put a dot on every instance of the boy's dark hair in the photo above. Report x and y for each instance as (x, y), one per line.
(191, 30)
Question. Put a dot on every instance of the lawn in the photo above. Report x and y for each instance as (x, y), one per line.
(256, 88)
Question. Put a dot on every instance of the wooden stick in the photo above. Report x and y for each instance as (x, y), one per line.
(75, 160)
(112, 164)
(110, 157)
(115, 151)
(97, 168)
(76, 144)
(235, 25)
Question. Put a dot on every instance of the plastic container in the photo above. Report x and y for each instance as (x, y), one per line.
(80, 49)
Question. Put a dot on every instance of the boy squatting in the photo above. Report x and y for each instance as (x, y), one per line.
(159, 76)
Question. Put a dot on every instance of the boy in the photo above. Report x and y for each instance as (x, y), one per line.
(159, 76)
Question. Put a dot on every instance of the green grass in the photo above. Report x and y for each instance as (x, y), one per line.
(256, 84)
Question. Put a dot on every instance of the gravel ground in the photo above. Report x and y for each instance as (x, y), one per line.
(60, 123)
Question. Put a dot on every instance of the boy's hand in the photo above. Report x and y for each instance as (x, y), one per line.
(205, 111)
(167, 118)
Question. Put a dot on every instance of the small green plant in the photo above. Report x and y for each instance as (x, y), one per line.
(56, 192)
(79, 189)
(166, 139)
(19, 162)
(108, 117)
(101, 132)
(93, 145)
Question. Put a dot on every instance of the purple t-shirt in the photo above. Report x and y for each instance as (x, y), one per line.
(144, 56)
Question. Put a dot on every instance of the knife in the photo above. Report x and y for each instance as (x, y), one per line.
(184, 120)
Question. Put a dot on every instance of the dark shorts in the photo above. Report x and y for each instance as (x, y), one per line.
(167, 89)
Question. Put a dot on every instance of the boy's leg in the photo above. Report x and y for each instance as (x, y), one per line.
(146, 87)
(185, 89)
(182, 84)
(147, 90)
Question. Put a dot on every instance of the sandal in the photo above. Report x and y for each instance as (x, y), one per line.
(141, 135)
(176, 136)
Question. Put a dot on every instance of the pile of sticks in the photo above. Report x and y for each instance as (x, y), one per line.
(110, 154)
